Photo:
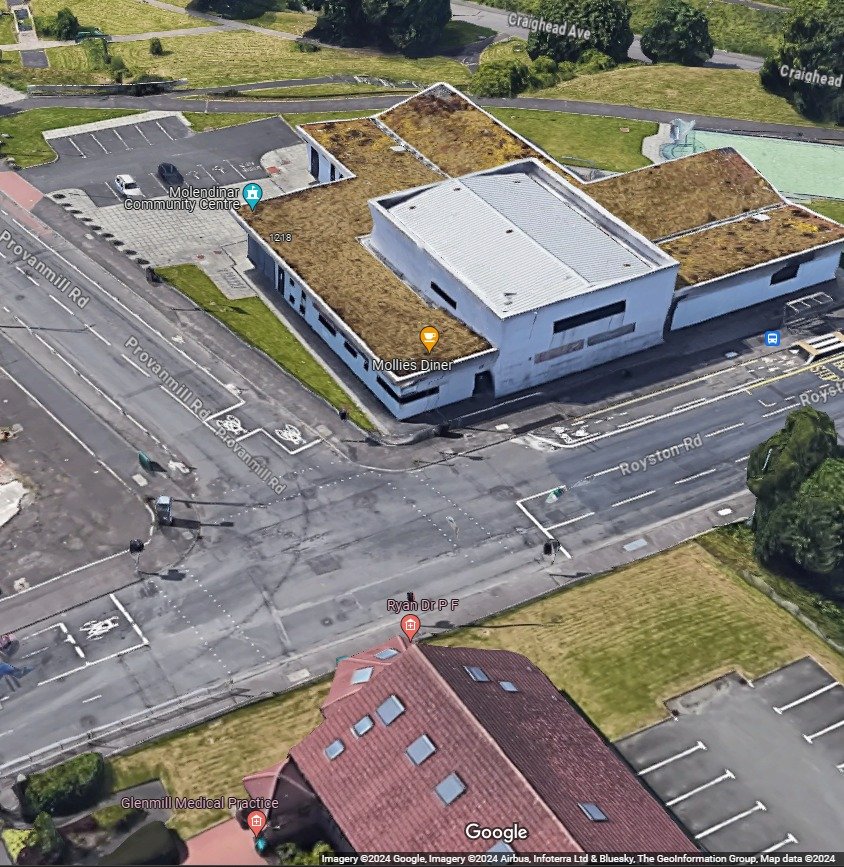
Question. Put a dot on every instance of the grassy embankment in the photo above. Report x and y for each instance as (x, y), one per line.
(252, 320)
(619, 645)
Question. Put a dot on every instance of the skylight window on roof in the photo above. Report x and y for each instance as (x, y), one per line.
(508, 686)
(477, 673)
(594, 812)
(363, 725)
(387, 653)
(450, 789)
(421, 749)
(390, 710)
(334, 749)
(361, 675)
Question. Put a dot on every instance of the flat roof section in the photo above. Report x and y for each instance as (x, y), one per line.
(685, 193)
(326, 223)
(517, 243)
(752, 240)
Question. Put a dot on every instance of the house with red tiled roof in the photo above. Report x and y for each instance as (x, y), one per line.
(453, 749)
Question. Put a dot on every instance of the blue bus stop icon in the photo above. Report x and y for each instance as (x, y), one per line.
(772, 338)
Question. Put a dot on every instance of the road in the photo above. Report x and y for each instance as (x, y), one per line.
(288, 544)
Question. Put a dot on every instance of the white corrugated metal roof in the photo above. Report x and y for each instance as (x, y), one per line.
(516, 243)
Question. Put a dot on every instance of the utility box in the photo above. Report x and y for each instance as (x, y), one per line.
(164, 510)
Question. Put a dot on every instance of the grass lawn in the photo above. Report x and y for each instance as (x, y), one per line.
(619, 645)
(295, 118)
(321, 91)
(215, 757)
(460, 33)
(579, 139)
(118, 17)
(733, 546)
(704, 91)
(287, 21)
(230, 58)
(27, 144)
(218, 120)
(829, 208)
(8, 35)
(256, 324)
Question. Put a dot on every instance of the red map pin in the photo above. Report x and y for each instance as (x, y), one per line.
(410, 625)
(256, 821)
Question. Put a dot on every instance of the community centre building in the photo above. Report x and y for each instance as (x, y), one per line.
(435, 217)
(430, 749)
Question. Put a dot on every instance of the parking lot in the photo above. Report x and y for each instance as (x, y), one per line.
(752, 767)
(90, 156)
(70, 644)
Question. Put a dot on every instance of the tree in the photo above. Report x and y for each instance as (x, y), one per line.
(811, 49)
(67, 24)
(679, 33)
(409, 26)
(289, 853)
(797, 476)
(607, 23)
(156, 49)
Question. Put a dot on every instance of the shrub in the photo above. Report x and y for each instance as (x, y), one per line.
(156, 49)
(15, 840)
(305, 47)
(65, 788)
(153, 843)
(593, 60)
(116, 817)
(67, 24)
(500, 78)
(679, 33)
(118, 68)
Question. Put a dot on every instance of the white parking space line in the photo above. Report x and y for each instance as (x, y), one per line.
(808, 697)
(72, 641)
(104, 148)
(93, 698)
(78, 149)
(737, 818)
(164, 131)
(810, 738)
(141, 132)
(236, 169)
(139, 369)
(112, 191)
(157, 180)
(200, 166)
(840, 767)
(715, 433)
(231, 408)
(632, 499)
(570, 521)
(727, 775)
(122, 140)
(789, 839)
(96, 662)
(700, 745)
(696, 476)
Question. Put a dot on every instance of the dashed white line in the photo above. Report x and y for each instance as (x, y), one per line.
(63, 306)
(28, 277)
(715, 433)
(632, 499)
(739, 460)
(695, 476)
(777, 411)
(97, 334)
(93, 698)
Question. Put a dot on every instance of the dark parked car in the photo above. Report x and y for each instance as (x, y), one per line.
(170, 174)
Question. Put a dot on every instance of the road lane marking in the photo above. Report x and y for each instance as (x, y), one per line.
(570, 521)
(737, 818)
(137, 367)
(739, 460)
(632, 499)
(93, 698)
(138, 128)
(700, 745)
(97, 334)
(533, 520)
(78, 149)
(778, 411)
(121, 608)
(808, 697)
(696, 476)
(236, 169)
(89, 664)
(121, 139)
(63, 306)
(28, 277)
(715, 433)
(727, 775)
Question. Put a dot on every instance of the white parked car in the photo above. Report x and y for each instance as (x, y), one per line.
(126, 186)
